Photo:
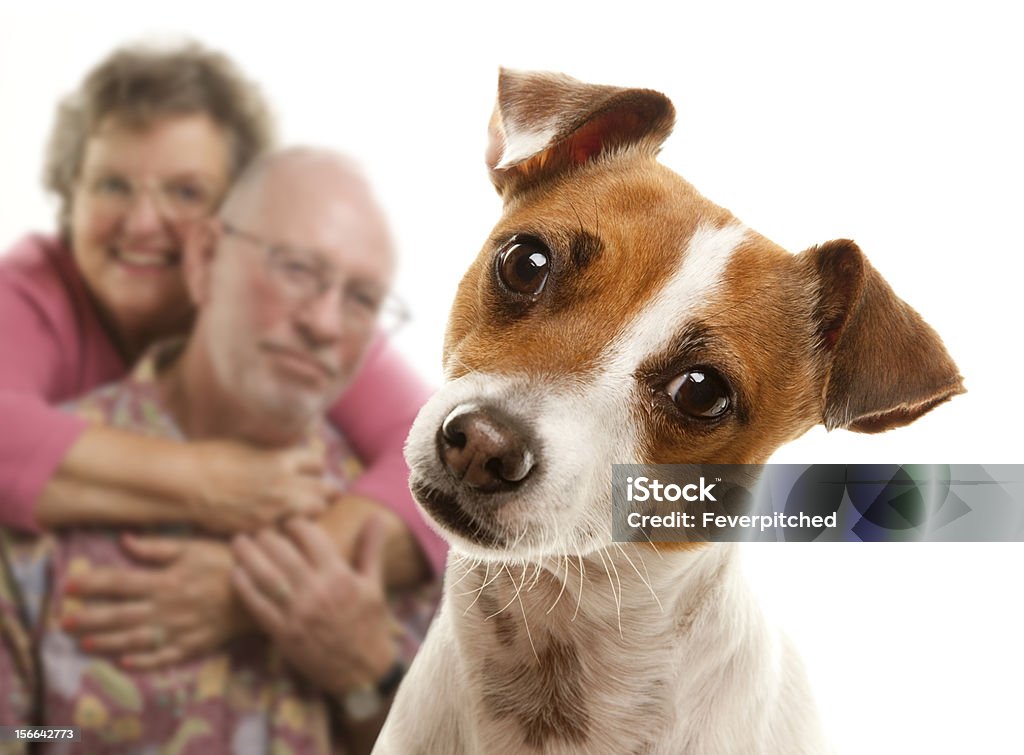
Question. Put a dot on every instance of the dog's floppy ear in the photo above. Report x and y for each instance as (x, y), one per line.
(885, 365)
(546, 123)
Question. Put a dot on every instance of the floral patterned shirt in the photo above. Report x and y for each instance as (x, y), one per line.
(241, 699)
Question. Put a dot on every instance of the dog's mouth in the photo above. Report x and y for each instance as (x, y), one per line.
(496, 470)
(459, 516)
(477, 477)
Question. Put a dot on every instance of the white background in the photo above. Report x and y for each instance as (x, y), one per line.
(898, 125)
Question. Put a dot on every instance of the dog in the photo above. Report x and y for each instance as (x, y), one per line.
(615, 315)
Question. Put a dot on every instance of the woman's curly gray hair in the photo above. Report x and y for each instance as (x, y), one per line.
(140, 83)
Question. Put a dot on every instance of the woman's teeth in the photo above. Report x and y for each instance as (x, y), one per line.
(146, 259)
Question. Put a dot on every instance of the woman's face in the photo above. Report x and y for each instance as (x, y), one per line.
(138, 193)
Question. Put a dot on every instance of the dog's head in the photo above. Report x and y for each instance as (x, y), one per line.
(615, 315)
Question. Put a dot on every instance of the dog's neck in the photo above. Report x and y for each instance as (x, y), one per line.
(563, 648)
(619, 586)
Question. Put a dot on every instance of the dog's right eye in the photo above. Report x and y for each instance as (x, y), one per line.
(700, 392)
(523, 265)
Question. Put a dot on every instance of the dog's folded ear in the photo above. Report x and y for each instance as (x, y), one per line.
(546, 123)
(885, 366)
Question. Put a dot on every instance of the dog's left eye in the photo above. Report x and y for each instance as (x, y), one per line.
(700, 392)
(523, 265)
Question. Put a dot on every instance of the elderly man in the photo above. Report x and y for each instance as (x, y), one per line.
(290, 283)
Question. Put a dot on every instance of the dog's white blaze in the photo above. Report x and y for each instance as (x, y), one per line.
(587, 427)
(684, 294)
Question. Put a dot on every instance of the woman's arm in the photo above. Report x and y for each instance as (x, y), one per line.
(375, 414)
(112, 476)
(33, 440)
(48, 352)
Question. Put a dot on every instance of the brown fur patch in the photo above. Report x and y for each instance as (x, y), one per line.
(642, 214)
(544, 695)
(757, 333)
(677, 547)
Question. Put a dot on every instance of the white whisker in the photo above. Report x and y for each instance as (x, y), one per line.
(519, 537)
(564, 583)
(651, 543)
(480, 591)
(643, 562)
(526, 623)
(615, 597)
(514, 596)
(645, 581)
(579, 598)
(469, 570)
(536, 576)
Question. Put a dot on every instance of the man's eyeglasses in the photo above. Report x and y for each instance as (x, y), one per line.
(302, 276)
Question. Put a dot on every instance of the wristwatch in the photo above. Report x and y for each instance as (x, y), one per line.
(364, 702)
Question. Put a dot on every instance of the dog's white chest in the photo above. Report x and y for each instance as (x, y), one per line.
(699, 674)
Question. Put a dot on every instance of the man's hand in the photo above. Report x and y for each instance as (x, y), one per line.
(329, 619)
(180, 606)
(244, 489)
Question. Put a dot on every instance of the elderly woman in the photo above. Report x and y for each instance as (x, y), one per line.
(146, 148)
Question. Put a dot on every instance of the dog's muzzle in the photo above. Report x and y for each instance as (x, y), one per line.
(484, 449)
(484, 461)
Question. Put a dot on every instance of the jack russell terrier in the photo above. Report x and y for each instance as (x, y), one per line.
(615, 315)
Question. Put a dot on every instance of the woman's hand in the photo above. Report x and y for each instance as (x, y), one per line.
(329, 619)
(240, 488)
(180, 606)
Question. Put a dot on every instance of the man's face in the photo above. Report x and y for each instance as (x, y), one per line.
(295, 283)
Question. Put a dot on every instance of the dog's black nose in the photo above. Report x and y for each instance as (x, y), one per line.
(484, 448)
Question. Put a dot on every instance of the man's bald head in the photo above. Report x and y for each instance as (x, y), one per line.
(310, 182)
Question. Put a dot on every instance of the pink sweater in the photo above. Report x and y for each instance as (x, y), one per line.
(53, 348)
